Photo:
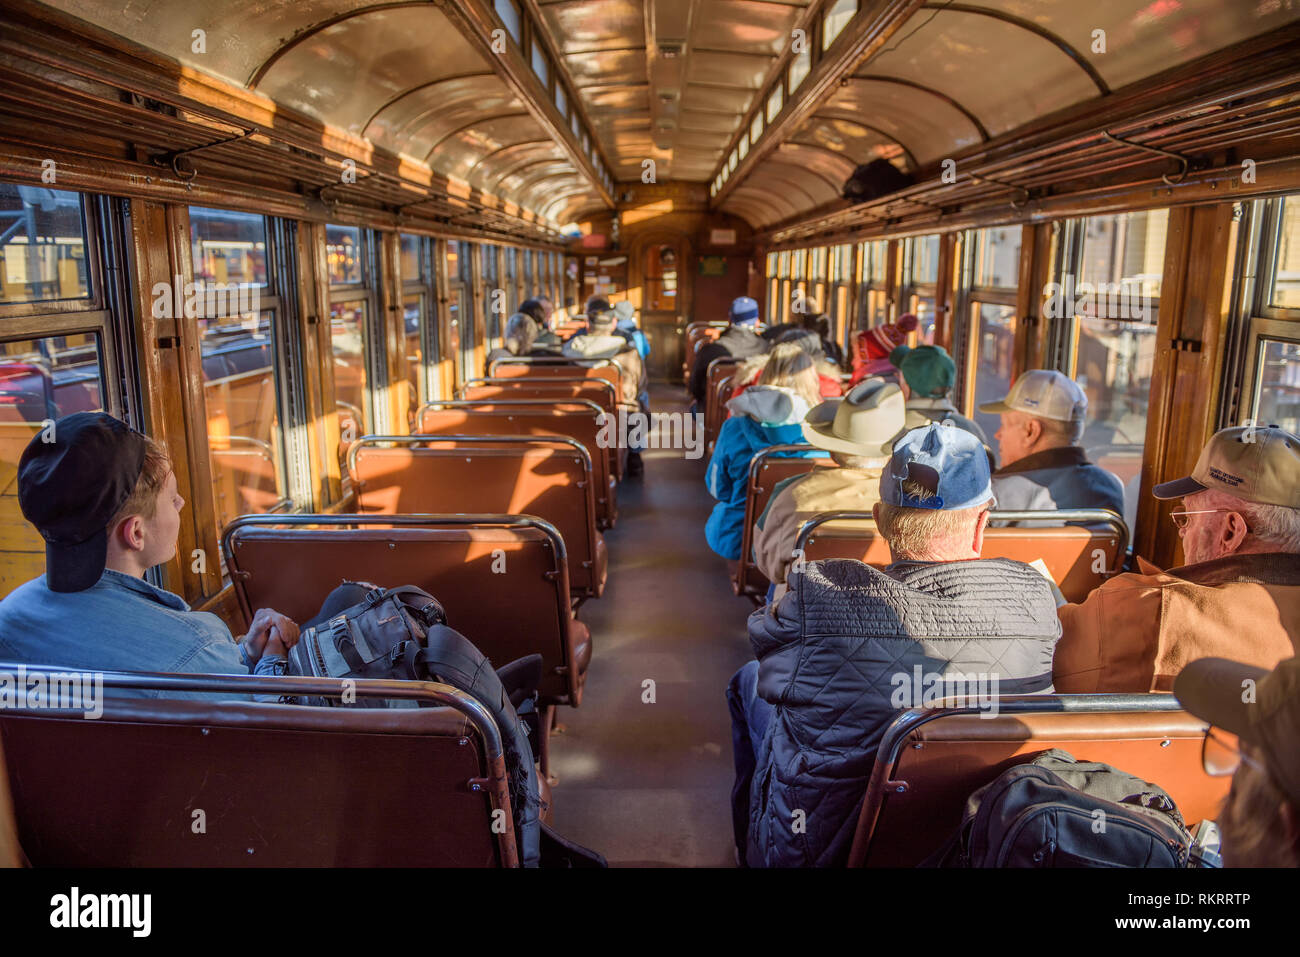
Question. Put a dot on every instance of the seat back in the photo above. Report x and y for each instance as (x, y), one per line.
(517, 367)
(717, 390)
(503, 579)
(770, 466)
(158, 782)
(546, 388)
(697, 334)
(576, 419)
(932, 759)
(1079, 557)
(550, 478)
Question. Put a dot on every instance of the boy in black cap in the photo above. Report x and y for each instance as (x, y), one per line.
(103, 497)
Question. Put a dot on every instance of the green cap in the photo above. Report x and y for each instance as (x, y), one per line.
(928, 370)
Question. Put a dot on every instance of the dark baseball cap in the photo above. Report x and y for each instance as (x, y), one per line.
(1260, 707)
(598, 306)
(72, 480)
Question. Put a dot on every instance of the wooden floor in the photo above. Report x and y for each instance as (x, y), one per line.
(649, 784)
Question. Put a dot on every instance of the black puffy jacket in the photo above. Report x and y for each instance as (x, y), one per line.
(838, 658)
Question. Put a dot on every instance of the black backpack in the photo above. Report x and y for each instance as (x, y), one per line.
(402, 633)
(1059, 812)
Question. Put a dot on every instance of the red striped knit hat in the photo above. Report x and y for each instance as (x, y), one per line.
(882, 340)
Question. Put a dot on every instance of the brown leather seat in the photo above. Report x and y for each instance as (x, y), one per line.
(597, 390)
(502, 580)
(516, 368)
(697, 334)
(547, 389)
(716, 391)
(502, 475)
(576, 419)
(926, 769)
(159, 782)
(1079, 557)
(766, 469)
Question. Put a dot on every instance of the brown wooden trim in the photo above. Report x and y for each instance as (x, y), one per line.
(944, 321)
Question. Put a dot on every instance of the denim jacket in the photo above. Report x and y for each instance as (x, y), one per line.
(122, 623)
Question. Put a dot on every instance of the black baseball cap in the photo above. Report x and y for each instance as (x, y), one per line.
(598, 306)
(72, 480)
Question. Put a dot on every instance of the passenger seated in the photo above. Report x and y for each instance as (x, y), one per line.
(1260, 822)
(1043, 466)
(601, 341)
(540, 310)
(820, 325)
(828, 375)
(738, 340)
(872, 348)
(104, 499)
(768, 414)
(625, 313)
(929, 374)
(520, 340)
(1237, 596)
(850, 646)
(859, 432)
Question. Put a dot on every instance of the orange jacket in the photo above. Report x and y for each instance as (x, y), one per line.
(1138, 630)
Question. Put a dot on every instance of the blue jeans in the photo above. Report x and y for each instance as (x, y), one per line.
(750, 718)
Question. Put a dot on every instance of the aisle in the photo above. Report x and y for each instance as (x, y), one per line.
(649, 784)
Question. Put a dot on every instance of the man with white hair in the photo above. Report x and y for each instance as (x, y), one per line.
(1043, 465)
(1237, 596)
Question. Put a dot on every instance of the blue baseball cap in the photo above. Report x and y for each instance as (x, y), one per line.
(949, 461)
(744, 310)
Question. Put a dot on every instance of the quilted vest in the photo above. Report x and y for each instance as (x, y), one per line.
(845, 650)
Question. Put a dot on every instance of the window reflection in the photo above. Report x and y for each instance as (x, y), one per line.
(227, 246)
(1286, 269)
(1277, 390)
(1122, 262)
(42, 245)
(344, 254)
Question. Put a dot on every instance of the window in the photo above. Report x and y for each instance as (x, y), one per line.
(1269, 373)
(56, 347)
(836, 18)
(508, 11)
(494, 296)
(352, 310)
(799, 67)
(756, 127)
(237, 337)
(774, 103)
(540, 65)
(841, 280)
(44, 245)
(920, 283)
(421, 354)
(1114, 303)
(1277, 397)
(460, 307)
(873, 304)
(561, 103)
(773, 282)
(990, 280)
(1285, 285)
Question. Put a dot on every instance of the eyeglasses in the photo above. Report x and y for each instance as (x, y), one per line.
(1180, 518)
(1221, 754)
